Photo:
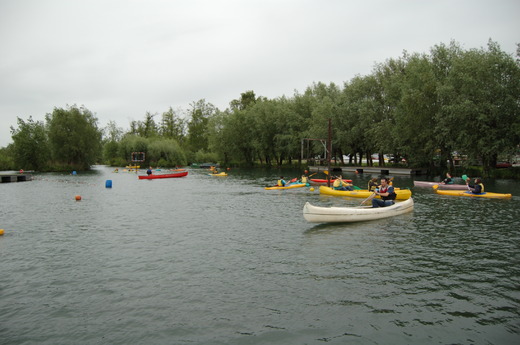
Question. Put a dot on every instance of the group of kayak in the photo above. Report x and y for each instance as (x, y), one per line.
(303, 181)
(473, 188)
(384, 199)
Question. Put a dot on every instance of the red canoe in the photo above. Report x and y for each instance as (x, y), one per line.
(152, 176)
(319, 180)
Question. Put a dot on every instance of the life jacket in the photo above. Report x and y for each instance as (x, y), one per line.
(337, 183)
(390, 196)
(281, 183)
(481, 186)
(304, 179)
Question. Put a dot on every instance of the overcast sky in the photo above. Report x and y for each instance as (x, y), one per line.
(123, 58)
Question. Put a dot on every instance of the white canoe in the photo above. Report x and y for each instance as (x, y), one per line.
(317, 214)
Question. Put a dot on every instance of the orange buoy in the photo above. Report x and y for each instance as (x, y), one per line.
(1, 232)
(78, 197)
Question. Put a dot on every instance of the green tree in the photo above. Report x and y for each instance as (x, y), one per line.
(133, 143)
(416, 111)
(74, 137)
(31, 147)
(200, 113)
(172, 126)
(166, 152)
(485, 100)
(246, 100)
(7, 158)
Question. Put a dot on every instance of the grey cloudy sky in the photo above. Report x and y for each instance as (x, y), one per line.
(123, 58)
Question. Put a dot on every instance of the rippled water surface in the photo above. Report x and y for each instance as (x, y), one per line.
(210, 260)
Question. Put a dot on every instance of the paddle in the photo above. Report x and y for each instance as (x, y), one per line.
(372, 196)
(465, 178)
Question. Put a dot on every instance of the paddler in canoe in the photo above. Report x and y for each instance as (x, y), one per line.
(448, 179)
(477, 187)
(372, 184)
(339, 184)
(387, 194)
(281, 182)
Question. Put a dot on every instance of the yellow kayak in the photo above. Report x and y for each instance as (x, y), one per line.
(469, 194)
(402, 194)
(294, 185)
(219, 174)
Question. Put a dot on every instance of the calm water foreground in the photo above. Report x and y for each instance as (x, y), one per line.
(209, 260)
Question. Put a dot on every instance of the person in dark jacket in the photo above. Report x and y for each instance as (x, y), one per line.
(477, 187)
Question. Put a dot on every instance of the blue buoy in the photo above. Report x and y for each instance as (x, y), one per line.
(74, 172)
(108, 184)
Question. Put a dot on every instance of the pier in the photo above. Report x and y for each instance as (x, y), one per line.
(371, 170)
(5, 178)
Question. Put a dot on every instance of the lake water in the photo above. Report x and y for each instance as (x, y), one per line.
(212, 260)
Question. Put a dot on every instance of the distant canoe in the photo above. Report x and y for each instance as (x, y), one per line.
(429, 184)
(156, 176)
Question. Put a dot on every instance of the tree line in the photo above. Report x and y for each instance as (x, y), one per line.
(424, 109)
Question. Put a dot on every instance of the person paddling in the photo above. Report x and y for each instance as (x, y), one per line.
(372, 184)
(476, 188)
(339, 184)
(387, 194)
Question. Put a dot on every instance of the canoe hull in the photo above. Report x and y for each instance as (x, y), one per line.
(219, 174)
(296, 185)
(471, 195)
(317, 214)
(402, 194)
(320, 180)
(429, 184)
(152, 177)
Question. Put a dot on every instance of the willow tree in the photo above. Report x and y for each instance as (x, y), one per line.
(74, 137)
(200, 113)
(416, 111)
(360, 106)
(30, 145)
(485, 101)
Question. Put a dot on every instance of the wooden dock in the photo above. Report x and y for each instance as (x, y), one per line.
(5, 178)
(371, 170)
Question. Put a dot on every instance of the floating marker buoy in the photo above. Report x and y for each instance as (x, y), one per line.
(108, 184)
(78, 197)
(1, 232)
(74, 172)
(312, 189)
